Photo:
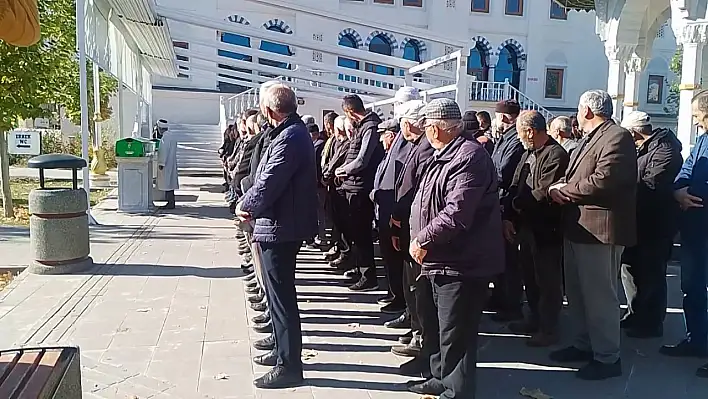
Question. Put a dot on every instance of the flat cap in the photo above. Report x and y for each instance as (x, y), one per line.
(410, 109)
(442, 108)
(636, 119)
(407, 93)
(390, 125)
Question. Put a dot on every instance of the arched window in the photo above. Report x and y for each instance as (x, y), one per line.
(348, 41)
(276, 48)
(380, 44)
(508, 67)
(238, 40)
(412, 51)
(477, 63)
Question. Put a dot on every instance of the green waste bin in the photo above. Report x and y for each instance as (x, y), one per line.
(132, 147)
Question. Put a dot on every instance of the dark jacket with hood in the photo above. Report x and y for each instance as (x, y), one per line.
(388, 172)
(259, 150)
(243, 160)
(506, 155)
(285, 189)
(455, 214)
(319, 146)
(364, 155)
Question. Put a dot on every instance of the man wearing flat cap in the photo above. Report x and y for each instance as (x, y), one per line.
(644, 264)
(508, 288)
(457, 238)
(384, 197)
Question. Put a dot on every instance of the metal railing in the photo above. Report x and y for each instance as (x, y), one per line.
(500, 91)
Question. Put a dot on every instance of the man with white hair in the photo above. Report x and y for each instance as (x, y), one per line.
(644, 264)
(599, 221)
(167, 177)
(562, 131)
(280, 201)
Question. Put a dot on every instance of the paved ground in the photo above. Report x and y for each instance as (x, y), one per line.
(163, 315)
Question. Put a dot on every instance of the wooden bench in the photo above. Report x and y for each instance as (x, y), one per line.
(40, 373)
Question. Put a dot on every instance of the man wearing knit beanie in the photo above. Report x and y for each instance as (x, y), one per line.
(508, 288)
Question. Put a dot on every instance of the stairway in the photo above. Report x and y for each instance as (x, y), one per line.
(197, 149)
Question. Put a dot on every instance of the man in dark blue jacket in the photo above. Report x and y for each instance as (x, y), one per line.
(363, 157)
(691, 192)
(280, 201)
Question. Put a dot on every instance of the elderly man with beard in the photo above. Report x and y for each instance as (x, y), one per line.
(529, 211)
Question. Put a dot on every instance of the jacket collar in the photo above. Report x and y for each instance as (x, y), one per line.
(290, 120)
(658, 136)
(589, 141)
(450, 150)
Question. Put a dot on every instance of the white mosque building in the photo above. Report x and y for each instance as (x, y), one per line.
(546, 52)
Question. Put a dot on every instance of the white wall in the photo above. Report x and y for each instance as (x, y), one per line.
(185, 107)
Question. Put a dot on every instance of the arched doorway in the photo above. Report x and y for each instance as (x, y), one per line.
(508, 66)
(477, 65)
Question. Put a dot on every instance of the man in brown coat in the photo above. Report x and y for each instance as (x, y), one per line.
(599, 221)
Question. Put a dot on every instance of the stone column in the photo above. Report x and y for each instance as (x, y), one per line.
(693, 39)
(633, 75)
(492, 62)
(617, 55)
(462, 96)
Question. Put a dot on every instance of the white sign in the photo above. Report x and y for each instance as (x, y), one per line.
(24, 142)
(41, 123)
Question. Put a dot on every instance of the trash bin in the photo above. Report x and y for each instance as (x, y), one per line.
(135, 158)
(59, 225)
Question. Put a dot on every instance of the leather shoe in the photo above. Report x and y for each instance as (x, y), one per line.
(430, 387)
(255, 290)
(259, 307)
(385, 300)
(406, 338)
(393, 308)
(261, 318)
(596, 371)
(256, 298)
(571, 354)
(266, 359)
(685, 348)
(250, 277)
(415, 367)
(403, 321)
(406, 350)
(263, 328)
(265, 344)
(252, 284)
(279, 377)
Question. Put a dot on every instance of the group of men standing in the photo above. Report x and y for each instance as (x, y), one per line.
(527, 207)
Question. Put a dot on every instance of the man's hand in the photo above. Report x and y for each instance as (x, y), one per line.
(394, 222)
(687, 200)
(556, 195)
(396, 242)
(508, 230)
(417, 253)
(242, 215)
(339, 172)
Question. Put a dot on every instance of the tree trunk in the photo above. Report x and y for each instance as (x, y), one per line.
(8, 210)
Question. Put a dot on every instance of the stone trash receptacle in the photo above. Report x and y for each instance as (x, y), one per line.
(59, 224)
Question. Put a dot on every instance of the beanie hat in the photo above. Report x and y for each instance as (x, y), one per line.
(510, 107)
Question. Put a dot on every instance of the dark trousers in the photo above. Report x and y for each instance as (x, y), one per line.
(279, 274)
(340, 219)
(543, 278)
(170, 198)
(393, 263)
(410, 293)
(459, 302)
(508, 286)
(426, 316)
(321, 213)
(359, 223)
(644, 281)
(694, 279)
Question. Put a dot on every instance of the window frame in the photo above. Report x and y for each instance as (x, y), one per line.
(480, 10)
(562, 71)
(385, 2)
(557, 18)
(412, 3)
(514, 14)
(662, 79)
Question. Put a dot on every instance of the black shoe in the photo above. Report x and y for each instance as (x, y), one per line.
(571, 354)
(331, 255)
(265, 344)
(250, 277)
(343, 262)
(261, 318)
(505, 317)
(702, 371)
(595, 371)
(393, 308)
(406, 338)
(353, 274)
(415, 367)
(256, 298)
(247, 266)
(685, 348)
(258, 307)
(385, 300)
(644, 333)
(406, 350)
(430, 387)
(263, 327)
(364, 285)
(266, 359)
(252, 284)
(253, 290)
(402, 321)
(279, 377)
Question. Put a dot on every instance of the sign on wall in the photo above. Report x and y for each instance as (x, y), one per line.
(24, 142)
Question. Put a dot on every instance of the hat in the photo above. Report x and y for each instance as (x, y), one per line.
(407, 93)
(442, 108)
(510, 107)
(162, 123)
(410, 109)
(390, 125)
(636, 119)
(308, 120)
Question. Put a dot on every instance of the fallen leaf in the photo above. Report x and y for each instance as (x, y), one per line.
(308, 354)
(221, 376)
(143, 310)
(534, 393)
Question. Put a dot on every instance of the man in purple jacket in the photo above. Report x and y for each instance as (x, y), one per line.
(280, 201)
(457, 238)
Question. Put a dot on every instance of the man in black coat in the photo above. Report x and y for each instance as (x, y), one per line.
(644, 265)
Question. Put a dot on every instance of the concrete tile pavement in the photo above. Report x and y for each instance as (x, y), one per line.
(164, 316)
